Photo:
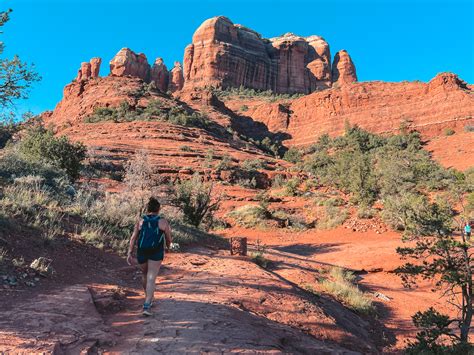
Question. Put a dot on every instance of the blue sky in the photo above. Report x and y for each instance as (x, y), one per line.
(388, 40)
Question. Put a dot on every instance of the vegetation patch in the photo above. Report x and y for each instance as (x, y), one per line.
(157, 110)
(340, 283)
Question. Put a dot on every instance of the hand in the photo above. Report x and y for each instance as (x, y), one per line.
(129, 259)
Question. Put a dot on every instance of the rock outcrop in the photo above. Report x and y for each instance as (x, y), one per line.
(95, 67)
(176, 78)
(128, 63)
(159, 75)
(89, 70)
(226, 55)
(343, 70)
(446, 101)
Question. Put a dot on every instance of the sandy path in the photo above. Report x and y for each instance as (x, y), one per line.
(208, 301)
(299, 256)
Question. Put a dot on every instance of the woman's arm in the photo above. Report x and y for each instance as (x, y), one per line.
(167, 230)
(133, 241)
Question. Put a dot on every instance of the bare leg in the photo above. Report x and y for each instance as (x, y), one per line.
(144, 268)
(153, 268)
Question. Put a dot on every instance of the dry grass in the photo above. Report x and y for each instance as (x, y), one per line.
(333, 217)
(340, 283)
(250, 216)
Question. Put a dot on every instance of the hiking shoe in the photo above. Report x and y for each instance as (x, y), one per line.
(147, 309)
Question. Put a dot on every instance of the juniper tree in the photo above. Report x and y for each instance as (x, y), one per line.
(439, 255)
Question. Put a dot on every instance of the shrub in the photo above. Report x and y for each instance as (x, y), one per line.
(6, 133)
(469, 128)
(185, 148)
(14, 165)
(293, 155)
(244, 108)
(258, 256)
(365, 212)
(340, 284)
(253, 165)
(156, 110)
(225, 163)
(35, 204)
(193, 198)
(278, 181)
(292, 221)
(41, 145)
(291, 187)
(250, 216)
(449, 132)
(333, 217)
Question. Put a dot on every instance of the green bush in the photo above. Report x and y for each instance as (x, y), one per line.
(292, 155)
(14, 165)
(449, 132)
(7, 130)
(41, 145)
(371, 167)
(253, 165)
(194, 198)
(244, 92)
(156, 110)
(291, 187)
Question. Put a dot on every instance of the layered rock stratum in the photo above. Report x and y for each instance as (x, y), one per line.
(223, 54)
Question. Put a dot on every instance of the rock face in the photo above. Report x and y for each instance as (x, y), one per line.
(159, 75)
(343, 70)
(226, 55)
(128, 63)
(89, 69)
(176, 78)
(446, 101)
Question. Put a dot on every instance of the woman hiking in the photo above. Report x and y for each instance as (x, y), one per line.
(150, 234)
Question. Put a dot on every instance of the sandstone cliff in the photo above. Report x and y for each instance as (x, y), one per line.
(446, 101)
(223, 54)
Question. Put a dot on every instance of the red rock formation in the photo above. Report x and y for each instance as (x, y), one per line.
(95, 67)
(89, 69)
(226, 55)
(445, 101)
(343, 70)
(176, 81)
(84, 71)
(126, 62)
(159, 75)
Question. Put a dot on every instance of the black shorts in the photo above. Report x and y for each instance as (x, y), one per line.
(155, 254)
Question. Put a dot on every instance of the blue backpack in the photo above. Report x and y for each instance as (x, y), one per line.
(151, 237)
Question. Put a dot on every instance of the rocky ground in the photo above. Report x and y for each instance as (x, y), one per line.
(208, 301)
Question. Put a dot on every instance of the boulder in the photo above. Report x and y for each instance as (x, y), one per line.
(128, 63)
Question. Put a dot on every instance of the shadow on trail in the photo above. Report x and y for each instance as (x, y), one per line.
(308, 249)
